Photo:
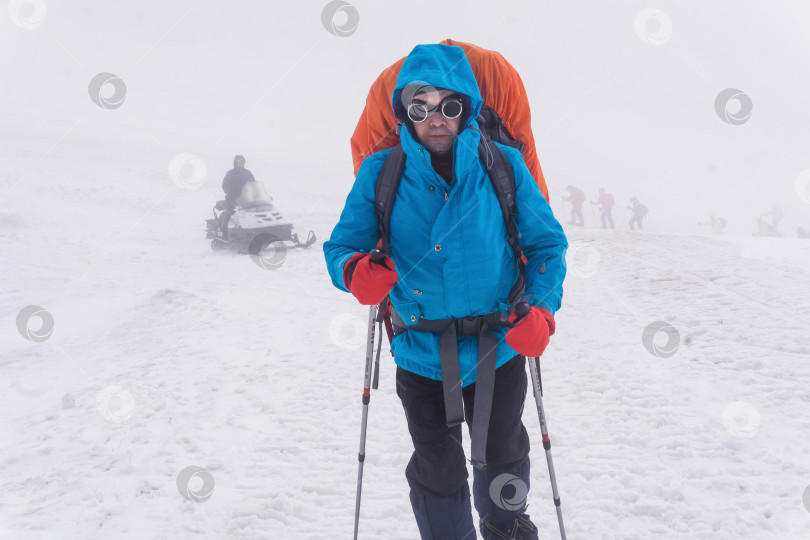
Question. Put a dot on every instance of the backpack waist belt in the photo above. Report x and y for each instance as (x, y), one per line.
(448, 330)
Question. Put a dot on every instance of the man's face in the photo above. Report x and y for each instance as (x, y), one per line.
(241, 163)
(438, 132)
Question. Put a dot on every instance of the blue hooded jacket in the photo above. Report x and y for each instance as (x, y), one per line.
(449, 241)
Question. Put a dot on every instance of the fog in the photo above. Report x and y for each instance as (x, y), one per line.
(118, 121)
(616, 101)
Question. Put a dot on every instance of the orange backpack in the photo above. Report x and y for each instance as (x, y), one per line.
(501, 89)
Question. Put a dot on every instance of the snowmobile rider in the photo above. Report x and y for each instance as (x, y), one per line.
(235, 179)
(450, 262)
(232, 185)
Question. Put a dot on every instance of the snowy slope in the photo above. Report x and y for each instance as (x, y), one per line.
(166, 355)
(240, 377)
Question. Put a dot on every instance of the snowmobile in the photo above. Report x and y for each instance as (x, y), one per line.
(252, 224)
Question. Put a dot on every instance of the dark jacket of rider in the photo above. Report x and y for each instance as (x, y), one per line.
(235, 179)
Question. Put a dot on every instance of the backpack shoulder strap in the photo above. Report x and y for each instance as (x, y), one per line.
(386, 192)
(503, 181)
(490, 123)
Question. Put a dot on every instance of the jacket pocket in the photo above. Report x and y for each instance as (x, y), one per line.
(408, 311)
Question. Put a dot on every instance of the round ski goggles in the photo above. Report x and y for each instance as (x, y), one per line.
(451, 107)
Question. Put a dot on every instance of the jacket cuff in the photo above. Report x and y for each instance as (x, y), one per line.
(545, 306)
(348, 269)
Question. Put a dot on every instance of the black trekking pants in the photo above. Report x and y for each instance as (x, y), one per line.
(438, 466)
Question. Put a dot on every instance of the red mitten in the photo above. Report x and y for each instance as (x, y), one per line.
(369, 281)
(530, 334)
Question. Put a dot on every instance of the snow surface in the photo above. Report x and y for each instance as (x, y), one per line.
(166, 355)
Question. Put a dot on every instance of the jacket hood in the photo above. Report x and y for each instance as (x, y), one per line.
(237, 158)
(438, 66)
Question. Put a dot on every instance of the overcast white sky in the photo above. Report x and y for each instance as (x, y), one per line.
(622, 97)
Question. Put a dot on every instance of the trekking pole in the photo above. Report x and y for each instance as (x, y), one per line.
(537, 384)
(377, 256)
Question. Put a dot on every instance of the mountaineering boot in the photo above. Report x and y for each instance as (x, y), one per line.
(500, 498)
(444, 518)
(520, 528)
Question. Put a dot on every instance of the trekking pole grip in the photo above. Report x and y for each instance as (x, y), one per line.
(522, 309)
(377, 256)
